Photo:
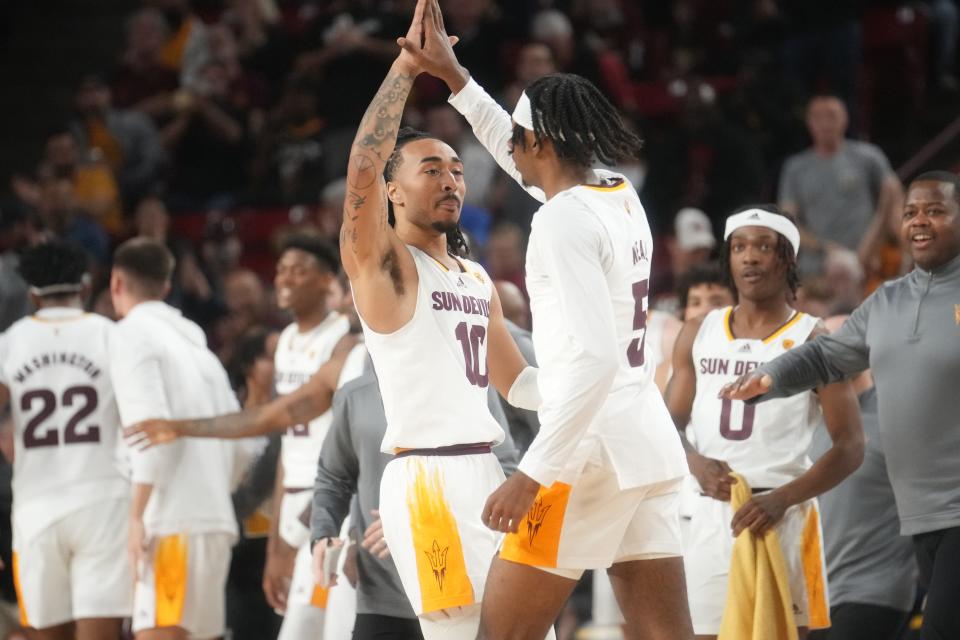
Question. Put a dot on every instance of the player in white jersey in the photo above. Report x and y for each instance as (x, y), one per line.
(182, 522)
(305, 271)
(599, 484)
(70, 495)
(766, 444)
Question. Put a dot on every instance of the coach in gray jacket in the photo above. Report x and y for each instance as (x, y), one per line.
(351, 462)
(908, 333)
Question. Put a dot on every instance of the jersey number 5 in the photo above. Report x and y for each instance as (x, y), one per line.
(472, 338)
(635, 349)
(48, 405)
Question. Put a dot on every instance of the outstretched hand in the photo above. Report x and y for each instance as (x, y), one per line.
(148, 433)
(747, 386)
(429, 47)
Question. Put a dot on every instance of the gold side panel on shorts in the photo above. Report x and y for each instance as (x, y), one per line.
(812, 556)
(537, 541)
(16, 586)
(441, 568)
(319, 597)
(170, 573)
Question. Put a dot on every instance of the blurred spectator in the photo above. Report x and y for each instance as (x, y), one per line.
(60, 212)
(554, 29)
(126, 139)
(821, 44)
(692, 243)
(842, 192)
(815, 296)
(705, 161)
(190, 291)
(944, 24)
(479, 167)
(506, 249)
(478, 25)
(534, 60)
(263, 44)
(207, 143)
(142, 81)
(290, 164)
(95, 190)
(17, 232)
(247, 305)
(247, 91)
(845, 274)
(516, 309)
(351, 46)
(186, 48)
(702, 289)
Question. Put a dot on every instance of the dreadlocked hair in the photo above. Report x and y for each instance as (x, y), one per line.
(784, 252)
(578, 119)
(456, 242)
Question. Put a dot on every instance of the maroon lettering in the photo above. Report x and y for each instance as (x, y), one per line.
(746, 425)
(437, 298)
(635, 355)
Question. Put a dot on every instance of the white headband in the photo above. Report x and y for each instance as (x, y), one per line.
(61, 289)
(761, 218)
(523, 113)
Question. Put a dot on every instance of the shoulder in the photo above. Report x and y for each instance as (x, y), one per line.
(566, 218)
(797, 161)
(866, 151)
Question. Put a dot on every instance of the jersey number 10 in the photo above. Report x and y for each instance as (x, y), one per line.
(472, 339)
(48, 405)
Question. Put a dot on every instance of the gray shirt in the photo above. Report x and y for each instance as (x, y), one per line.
(351, 462)
(908, 333)
(868, 561)
(836, 196)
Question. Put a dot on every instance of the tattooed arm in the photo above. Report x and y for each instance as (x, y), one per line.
(303, 405)
(380, 267)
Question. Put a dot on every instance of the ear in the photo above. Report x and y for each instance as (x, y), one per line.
(166, 290)
(395, 193)
(116, 282)
(35, 300)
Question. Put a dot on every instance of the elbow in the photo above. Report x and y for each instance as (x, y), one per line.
(852, 452)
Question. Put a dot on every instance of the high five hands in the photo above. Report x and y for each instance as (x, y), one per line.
(429, 48)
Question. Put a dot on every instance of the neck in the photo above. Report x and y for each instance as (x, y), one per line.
(430, 241)
(310, 319)
(561, 177)
(61, 302)
(938, 265)
(758, 313)
(827, 147)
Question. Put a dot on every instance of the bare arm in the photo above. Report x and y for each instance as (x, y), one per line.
(311, 400)
(503, 355)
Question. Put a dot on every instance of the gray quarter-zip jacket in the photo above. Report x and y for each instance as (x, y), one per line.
(908, 333)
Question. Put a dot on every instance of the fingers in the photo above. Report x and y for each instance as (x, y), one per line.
(319, 551)
(453, 40)
(436, 16)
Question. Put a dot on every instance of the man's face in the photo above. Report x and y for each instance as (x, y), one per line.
(534, 61)
(757, 272)
(827, 121)
(428, 188)
(704, 298)
(93, 98)
(524, 156)
(301, 283)
(929, 224)
(62, 150)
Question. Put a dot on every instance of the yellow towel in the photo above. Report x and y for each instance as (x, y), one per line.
(759, 605)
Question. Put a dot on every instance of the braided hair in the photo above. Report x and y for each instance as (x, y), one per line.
(784, 253)
(456, 242)
(579, 121)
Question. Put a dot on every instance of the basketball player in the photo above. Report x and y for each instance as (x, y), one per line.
(182, 524)
(767, 445)
(599, 484)
(305, 271)
(70, 495)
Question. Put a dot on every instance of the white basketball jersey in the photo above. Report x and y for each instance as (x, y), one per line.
(298, 357)
(767, 442)
(433, 371)
(66, 424)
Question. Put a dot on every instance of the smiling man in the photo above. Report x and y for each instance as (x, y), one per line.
(766, 445)
(908, 334)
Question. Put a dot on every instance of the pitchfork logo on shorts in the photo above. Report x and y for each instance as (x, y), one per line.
(438, 562)
(535, 518)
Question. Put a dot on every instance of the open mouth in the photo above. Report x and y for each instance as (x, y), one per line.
(921, 240)
(752, 276)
